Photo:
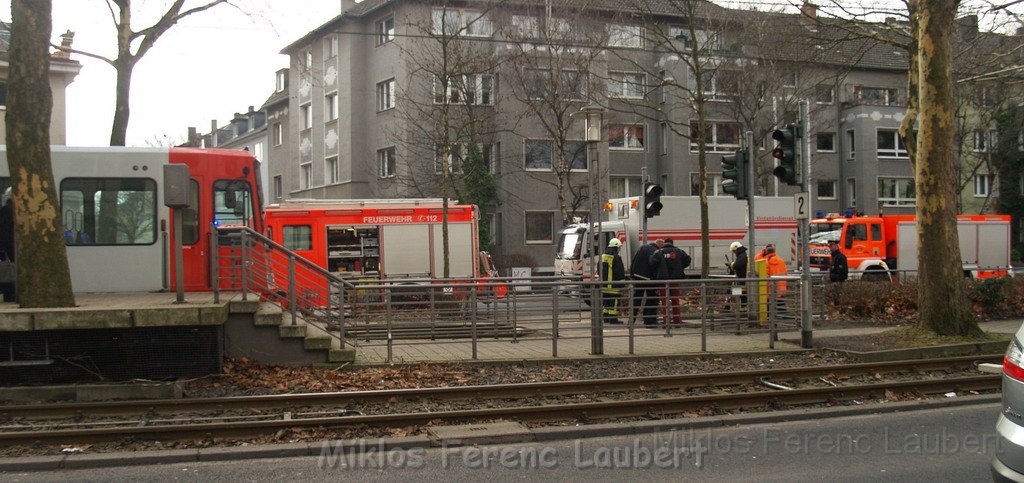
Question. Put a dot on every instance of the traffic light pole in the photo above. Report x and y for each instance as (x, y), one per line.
(751, 219)
(643, 206)
(806, 340)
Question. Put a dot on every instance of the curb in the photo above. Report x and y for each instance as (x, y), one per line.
(551, 433)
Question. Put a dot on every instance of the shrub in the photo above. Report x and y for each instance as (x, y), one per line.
(883, 302)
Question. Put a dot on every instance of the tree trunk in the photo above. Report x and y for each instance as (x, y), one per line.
(909, 121)
(942, 300)
(43, 276)
(119, 129)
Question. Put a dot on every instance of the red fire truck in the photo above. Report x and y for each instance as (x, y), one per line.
(386, 239)
(875, 244)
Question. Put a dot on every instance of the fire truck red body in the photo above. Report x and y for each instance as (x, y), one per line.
(889, 242)
(384, 239)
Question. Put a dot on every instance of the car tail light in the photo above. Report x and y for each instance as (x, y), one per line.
(1014, 360)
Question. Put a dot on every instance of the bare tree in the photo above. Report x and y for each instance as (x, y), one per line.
(550, 67)
(44, 279)
(444, 108)
(132, 45)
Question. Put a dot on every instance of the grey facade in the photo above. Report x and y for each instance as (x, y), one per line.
(347, 136)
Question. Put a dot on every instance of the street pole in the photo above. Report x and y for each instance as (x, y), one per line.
(806, 340)
(597, 307)
(751, 189)
(643, 207)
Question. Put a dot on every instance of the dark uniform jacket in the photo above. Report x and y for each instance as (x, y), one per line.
(839, 270)
(642, 267)
(670, 262)
(740, 265)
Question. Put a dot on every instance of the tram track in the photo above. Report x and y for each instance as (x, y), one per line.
(926, 377)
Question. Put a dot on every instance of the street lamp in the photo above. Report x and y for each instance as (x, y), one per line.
(593, 132)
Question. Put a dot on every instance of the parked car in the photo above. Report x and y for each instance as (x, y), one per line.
(1008, 463)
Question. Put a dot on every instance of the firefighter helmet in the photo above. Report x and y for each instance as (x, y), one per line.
(614, 243)
(735, 246)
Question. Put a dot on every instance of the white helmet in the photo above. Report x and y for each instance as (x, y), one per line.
(614, 243)
(735, 246)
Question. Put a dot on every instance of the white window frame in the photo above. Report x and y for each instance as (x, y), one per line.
(835, 193)
(818, 149)
(279, 81)
(469, 22)
(983, 140)
(665, 137)
(385, 30)
(551, 161)
(278, 133)
(386, 95)
(626, 182)
(625, 146)
(387, 163)
(332, 172)
(330, 47)
(901, 198)
(307, 115)
(831, 95)
(306, 176)
(900, 150)
(625, 85)
(714, 184)
(712, 144)
(890, 97)
(851, 190)
(453, 94)
(706, 40)
(526, 227)
(331, 106)
(625, 36)
(308, 60)
(984, 184)
(851, 140)
(711, 90)
(278, 187)
(789, 78)
(527, 26)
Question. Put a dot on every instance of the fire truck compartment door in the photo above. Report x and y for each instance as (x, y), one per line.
(907, 245)
(993, 240)
(405, 250)
(460, 250)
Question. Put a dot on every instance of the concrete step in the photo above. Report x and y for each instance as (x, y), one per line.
(316, 338)
(289, 331)
(341, 355)
(269, 314)
(244, 306)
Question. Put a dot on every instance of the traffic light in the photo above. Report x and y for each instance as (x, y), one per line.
(652, 199)
(788, 155)
(734, 174)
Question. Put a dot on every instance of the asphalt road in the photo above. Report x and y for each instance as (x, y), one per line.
(953, 444)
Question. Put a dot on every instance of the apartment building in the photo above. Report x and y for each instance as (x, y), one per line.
(364, 91)
(63, 71)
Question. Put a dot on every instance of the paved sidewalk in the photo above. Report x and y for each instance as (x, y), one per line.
(575, 343)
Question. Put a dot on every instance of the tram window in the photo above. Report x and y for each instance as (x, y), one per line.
(108, 211)
(232, 202)
(190, 216)
(298, 237)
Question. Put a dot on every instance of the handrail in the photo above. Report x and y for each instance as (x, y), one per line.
(306, 263)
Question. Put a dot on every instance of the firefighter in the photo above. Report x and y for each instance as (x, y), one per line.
(612, 270)
(838, 269)
(776, 266)
(739, 267)
(671, 263)
(646, 295)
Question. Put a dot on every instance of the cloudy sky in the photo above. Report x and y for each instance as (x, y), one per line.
(205, 68)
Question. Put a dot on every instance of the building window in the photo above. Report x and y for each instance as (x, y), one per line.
(625, 85)
(473, 89)
(896, 192)
(494, 219)
(890, 145)
(307, 116)
(539, 227)
(281, 81)
(539, 155)
(714, 184)
(331, 47)
(983, 185)
(385, 30)
(719, 137)
(826, 142)
(826, 190)
(706, 41)
(461, 22)
(331, 106)
(665, 137)
(331, 170)
(386, 161)
(720, 85)
(824, 94)
(624, 186)
(278, 134)
(297, 237)
(278, 187)
(306, 176)
(526, 27)
(539, 85)
(983, 139)
(789, 78)
(876, 96)
(851, 190)
(627, 36)
(850, 138)
(308, 60)
(626, 137)
(386, 95)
